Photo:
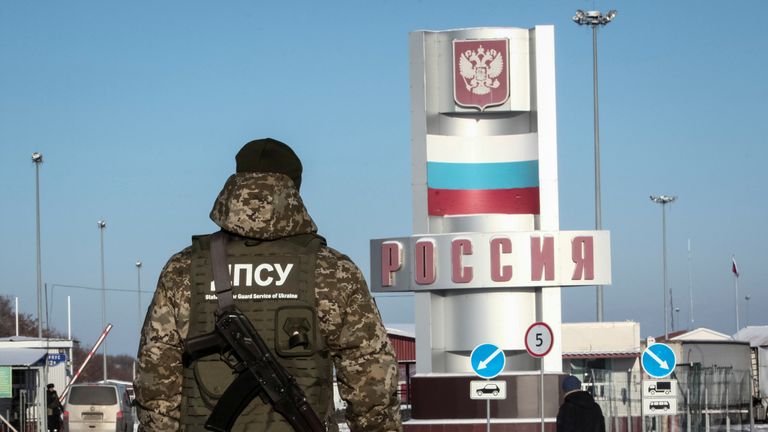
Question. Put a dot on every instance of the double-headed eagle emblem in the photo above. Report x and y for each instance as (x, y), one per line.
(479, 68)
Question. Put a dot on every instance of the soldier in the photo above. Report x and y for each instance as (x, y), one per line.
(308, 302)
(54, 408)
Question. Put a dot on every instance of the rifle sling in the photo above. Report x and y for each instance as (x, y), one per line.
(221, 271)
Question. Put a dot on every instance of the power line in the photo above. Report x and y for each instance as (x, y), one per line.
(99, 289)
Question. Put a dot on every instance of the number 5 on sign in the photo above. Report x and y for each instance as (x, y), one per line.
(538, 339)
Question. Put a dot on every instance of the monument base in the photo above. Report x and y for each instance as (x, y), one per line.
(441, 402)
(496, 426)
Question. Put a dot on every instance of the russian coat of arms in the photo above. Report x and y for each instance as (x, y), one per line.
(481, 77)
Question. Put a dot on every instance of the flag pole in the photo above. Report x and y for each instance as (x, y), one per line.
(735, 271)
(736, 285)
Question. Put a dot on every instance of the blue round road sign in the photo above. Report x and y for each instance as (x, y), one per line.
(487, 360)
(658, 360)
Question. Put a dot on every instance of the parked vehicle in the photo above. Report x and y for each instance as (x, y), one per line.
(98, 407)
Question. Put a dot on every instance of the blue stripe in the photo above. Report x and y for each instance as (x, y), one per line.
(502, 175)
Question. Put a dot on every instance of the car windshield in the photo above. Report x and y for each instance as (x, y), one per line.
(93, 395)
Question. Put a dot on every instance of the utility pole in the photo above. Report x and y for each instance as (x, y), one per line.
(103, 224)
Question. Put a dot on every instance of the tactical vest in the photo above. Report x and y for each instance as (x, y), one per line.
(273, 284)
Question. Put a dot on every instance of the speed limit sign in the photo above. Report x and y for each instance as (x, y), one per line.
(538, 339)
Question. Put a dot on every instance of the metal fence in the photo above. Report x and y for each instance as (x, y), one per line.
(708, 399)
(22, 415)
(22, 409)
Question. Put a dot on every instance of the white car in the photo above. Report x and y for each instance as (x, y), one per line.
(98, 408)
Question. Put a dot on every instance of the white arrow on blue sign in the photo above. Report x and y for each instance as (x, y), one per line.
(658, 360)
(487, 360)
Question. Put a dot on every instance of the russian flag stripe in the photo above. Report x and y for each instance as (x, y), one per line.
(443, 202)
(503, 175)
(500, 148)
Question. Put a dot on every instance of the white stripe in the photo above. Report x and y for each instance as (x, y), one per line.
(488, 149)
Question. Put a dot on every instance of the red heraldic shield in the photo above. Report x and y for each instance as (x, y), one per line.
(480, 72)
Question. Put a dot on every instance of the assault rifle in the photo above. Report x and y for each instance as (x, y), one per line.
(258, 374)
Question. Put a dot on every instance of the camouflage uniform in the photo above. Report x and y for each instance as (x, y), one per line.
(268, 206)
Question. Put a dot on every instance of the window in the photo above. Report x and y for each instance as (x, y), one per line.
(93, 395)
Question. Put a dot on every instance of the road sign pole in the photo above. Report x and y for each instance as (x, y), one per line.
(688, 410)
(487, 361)
(488, 415)
(541, 366)
(538, 342)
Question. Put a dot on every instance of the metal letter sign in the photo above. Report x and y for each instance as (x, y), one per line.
(57, 358)
(538, 339)
(487, 360)
(658, 360)
(490, 260)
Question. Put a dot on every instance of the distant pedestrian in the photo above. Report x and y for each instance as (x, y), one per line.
(579, 412)
(54, 409)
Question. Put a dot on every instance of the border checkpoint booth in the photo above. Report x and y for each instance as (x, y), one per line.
(27, 365)
(487, 259)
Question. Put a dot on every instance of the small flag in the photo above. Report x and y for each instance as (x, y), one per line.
(734, 269)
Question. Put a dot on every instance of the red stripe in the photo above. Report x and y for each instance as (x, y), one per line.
(442, 202)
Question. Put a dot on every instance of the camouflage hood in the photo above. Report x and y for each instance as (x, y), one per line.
(263, 206)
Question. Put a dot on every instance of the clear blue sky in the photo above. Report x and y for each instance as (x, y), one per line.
(139, 108)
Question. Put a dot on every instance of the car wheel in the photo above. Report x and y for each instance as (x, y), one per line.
(496, 393)
(652, 392)
(479, 392)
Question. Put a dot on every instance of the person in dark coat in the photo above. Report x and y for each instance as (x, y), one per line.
(579, 412)
(54, 409)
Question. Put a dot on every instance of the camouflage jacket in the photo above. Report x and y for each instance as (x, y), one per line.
(268, 206)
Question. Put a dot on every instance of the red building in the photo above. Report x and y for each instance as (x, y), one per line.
(404, 343)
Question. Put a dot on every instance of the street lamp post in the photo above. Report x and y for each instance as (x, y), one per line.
(37, 158)
(690, 287)
(138, 287)
(138, 291)
(664, 200)
(103, 224)
(595, 19)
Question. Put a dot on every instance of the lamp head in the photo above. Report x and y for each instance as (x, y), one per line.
(663, 199)
(37, 157)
